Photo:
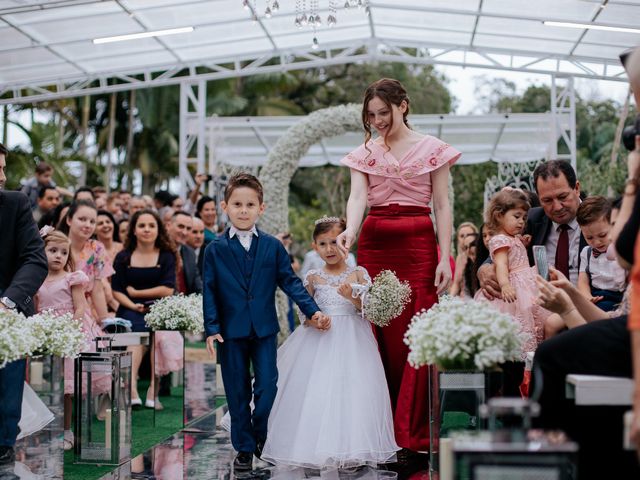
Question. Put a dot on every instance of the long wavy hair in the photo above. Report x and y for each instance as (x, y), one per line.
(163, 242)
(391, 92)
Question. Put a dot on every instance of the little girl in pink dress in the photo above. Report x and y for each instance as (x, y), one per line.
(506, 218)
(63, 292)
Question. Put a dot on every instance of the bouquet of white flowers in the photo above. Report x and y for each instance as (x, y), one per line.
(59, 335)
(386, 298)
(463, 335)
(177, 312)
(16, 338)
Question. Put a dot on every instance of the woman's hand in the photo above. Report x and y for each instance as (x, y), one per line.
(132, 292)
(508, 293)
(443, 276)
(140, 307)
(345, 241)
(553, 298)
(559, 280)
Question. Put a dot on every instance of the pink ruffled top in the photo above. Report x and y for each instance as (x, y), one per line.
(405, 181)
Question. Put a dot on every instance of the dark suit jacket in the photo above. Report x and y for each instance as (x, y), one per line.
(23, 263)
(191, 271)
(539, 227)
(232, 305)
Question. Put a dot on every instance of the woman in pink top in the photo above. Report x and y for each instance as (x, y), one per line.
(396, 176)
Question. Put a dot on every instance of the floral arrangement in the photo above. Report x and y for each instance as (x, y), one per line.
(463, 335)
(285, 155)
(43, 334)
(177, 312)
(16, 340)
(386, 298)
(58, 335)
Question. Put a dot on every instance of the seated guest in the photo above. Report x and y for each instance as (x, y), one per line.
(553, 225)
(206, 211)
(84, 193)
(196, 241)
(48, 199)
(114, 206)
(123, 229)
(462, 284)
(125, 199)
(135, 205)
(188, 279)
(145, 270)
(107, 233)
(52, 217)
(601, 280)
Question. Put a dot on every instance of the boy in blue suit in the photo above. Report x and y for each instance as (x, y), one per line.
(242, 269)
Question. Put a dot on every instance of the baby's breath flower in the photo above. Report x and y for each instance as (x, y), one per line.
(177, 312)
(55, 334)
(386, 298)
(16, 339)
(458, 334)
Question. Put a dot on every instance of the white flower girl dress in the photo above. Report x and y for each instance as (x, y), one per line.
(332, 409)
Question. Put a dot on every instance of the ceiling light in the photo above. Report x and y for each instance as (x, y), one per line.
(133, 36)
(592, 26)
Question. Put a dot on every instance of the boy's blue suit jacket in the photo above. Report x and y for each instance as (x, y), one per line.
(232, 305)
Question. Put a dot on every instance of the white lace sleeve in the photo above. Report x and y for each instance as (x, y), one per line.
(308, 278)
(365, 275)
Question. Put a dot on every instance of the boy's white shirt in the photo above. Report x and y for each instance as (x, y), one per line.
(245, 236)
(605, 274)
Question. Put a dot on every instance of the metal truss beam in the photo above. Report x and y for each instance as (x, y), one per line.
(365, 50)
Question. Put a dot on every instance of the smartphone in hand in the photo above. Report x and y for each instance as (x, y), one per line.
(540, 259)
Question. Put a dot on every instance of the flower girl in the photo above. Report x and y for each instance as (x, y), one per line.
(332, 409)
(63, 292)
(506, 217)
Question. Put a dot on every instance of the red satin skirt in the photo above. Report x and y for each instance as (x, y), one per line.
(401, 238)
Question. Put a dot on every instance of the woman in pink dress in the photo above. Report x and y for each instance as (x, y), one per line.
(397, 175)
(89, 255)
(63, 292)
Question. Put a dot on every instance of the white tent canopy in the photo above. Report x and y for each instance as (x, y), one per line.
(525, 137)
(46, 47)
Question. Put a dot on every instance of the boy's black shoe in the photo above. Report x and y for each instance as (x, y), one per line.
(243, 462)
(7, 455)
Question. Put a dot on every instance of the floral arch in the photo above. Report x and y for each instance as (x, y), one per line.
(283, 159)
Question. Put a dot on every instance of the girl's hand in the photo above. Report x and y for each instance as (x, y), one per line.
(508, 293)
(140, 307)
(443, 276)
(525, 239)
(345, 241)
(595, 300)
(346, 291)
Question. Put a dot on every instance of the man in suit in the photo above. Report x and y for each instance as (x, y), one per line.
(188, 276)
(22, 270)
(196, 241)
(553, 225)
(242, 269)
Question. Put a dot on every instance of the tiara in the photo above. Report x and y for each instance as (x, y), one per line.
(326, 219)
